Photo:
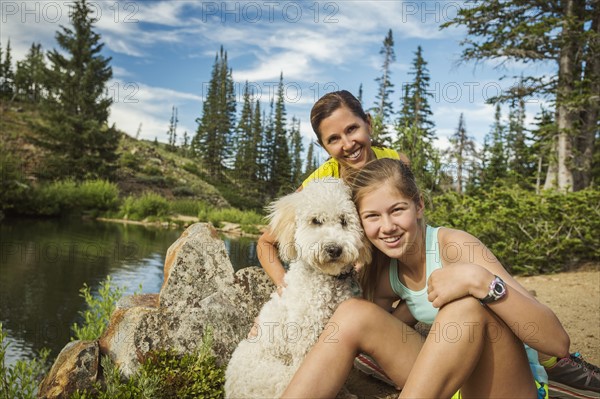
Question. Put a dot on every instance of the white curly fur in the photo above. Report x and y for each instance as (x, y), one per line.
(319, 233)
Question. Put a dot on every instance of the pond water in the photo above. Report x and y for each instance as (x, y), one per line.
(45, 262)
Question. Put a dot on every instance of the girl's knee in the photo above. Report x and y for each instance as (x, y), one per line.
(353, 311)
(466, 308)
(354, 317)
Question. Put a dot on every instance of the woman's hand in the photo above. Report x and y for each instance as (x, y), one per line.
(457, 281)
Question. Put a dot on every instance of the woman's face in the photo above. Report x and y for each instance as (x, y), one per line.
(390, 221)
(347, 138)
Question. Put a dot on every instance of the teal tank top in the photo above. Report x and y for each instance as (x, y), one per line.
(417, 301)
(421, 308)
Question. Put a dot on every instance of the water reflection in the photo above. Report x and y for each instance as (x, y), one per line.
(44, 263)
(242, 251)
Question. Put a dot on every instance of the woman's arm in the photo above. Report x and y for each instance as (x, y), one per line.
(268, 256)
(469, 268)
(269, 259)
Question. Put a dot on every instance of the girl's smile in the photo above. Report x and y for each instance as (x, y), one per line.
(391, 221)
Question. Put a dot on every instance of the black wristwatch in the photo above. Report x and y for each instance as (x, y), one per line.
(497, 291)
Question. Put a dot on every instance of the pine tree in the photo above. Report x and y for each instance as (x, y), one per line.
(565, 32)
(258, 145)
(282, 163)
(520, 158)
(310, 160)
(414, 126)
(360, 94)
(76, 109)
(542, 136)
(383, 108)
(416, 110)
(7, 75)
(172, 132)
(213, 140)
(185, 144)
(228, 105)
(296, 151)
(496, 165)
(246, 159)
(268, 146)
(461, 154)
(30, 75)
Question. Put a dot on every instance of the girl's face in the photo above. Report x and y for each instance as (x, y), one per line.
(347, 138)
(390, 221)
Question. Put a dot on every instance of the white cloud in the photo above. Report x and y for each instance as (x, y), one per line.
(151, 106)
(119, 72)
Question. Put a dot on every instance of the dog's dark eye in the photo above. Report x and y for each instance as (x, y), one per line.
(343, 221)
(316, 222)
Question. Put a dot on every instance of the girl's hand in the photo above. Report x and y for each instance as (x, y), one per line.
(457, 281)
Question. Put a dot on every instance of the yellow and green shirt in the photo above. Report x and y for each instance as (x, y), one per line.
(331, 167)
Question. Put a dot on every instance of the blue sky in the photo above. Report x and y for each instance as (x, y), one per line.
(162, 53)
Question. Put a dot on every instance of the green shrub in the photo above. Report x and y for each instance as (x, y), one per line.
(529, 233)
(233, 215)
(98, 195)
(164, 375)
(97, 314)
(21, 380)
(204, 212)
(192, 168)
(53, 199)
(188, 207)
(195, 375)
(66, 196)
(152, 170)
(148, 205)
(129, 160)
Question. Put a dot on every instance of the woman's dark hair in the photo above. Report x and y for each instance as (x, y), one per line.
(329, 103)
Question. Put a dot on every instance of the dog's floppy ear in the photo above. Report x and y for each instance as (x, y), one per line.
(282, 216)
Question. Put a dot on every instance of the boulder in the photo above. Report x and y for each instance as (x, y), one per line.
(76, 367)
(196, 266)
(117, 341)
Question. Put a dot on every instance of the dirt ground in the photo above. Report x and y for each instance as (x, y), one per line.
(573, 296)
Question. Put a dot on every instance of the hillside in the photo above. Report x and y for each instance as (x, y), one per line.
(143, 165)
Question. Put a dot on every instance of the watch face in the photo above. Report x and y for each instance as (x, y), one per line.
(499, 288)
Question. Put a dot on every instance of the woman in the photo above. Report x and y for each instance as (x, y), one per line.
(481, 316)
(343, 129)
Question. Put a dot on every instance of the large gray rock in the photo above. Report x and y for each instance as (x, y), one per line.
(199, 292)
(196, 266)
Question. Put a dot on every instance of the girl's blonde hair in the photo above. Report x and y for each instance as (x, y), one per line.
(372, 176)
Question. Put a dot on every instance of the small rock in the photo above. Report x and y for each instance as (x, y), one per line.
(76, 367)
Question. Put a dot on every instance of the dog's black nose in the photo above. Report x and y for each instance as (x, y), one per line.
(334, 251)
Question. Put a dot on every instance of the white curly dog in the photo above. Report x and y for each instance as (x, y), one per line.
(319, 233)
